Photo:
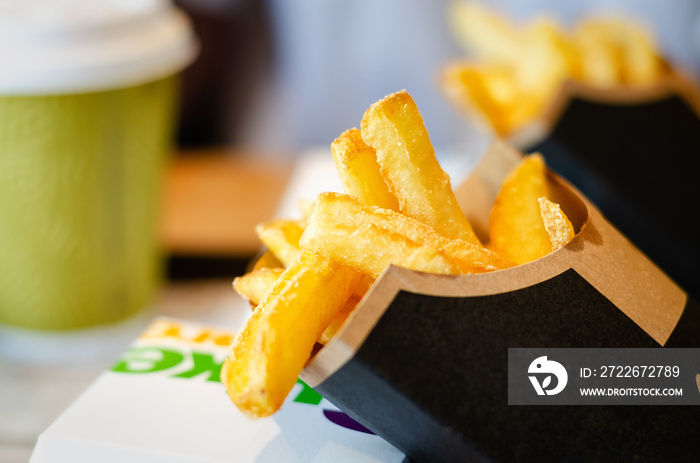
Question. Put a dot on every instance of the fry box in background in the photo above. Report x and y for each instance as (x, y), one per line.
(162, 402)
(633, 152)
(88, 96)
(423, 359)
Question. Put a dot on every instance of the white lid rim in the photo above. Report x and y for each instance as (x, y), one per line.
(103, 79)
(171, 50)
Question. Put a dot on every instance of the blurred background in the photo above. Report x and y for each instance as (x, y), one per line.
(282, 76)
(274, 81)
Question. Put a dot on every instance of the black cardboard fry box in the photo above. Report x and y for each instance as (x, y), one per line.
(633, 152)
(423, 359)
(162, 402)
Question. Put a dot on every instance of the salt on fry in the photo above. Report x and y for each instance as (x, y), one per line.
(394, 127)
(369, 238)
(556, 223)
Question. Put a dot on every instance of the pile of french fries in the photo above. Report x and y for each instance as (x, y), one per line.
(398, 209)
(515, 71)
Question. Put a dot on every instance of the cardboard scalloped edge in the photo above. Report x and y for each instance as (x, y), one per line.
(598, 252)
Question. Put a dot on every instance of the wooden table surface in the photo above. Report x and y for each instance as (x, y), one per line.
(214, 198)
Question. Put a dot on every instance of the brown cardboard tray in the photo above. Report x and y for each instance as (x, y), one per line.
(423, 359)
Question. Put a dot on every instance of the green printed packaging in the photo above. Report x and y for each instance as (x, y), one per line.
(87, 108)
(162, 401)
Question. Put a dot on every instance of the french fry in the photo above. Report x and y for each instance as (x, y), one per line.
(394, 127)
(543, 62)
(480, 92)
(643, 65)
(282, 238)
(483, 32)
(599, 58)
(373, 249)
(556, 223)
(369, 238)
(516, 230)
(490, 95)
(535, 59)
(271, 349)
(254, 285)
(339, 319)
(358, 171)
(266, 260)
(305, 207)
(637, 56)
(363, 286)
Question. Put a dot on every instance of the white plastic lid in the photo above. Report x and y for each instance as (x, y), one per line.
(76, 46)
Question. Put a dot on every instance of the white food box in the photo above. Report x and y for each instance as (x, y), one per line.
(163, 402)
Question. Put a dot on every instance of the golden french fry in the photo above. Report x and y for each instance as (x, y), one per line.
(254, 285)
(358, 171)
(266, 260)
(305, 207)
(363, 286)
(479, 92)
(373, 249)
(282, 238)
(556, 223)
(617, 52)
(516, 230)
(491, 95)
(543, 62)
(339, 319)
(642, 64)
(642, 67)
(598, 55)
(271, 349)
(483, 32)
(394, 127)
(369, 238)
(627, 47)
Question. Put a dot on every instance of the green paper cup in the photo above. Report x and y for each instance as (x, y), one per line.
(87, 113)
